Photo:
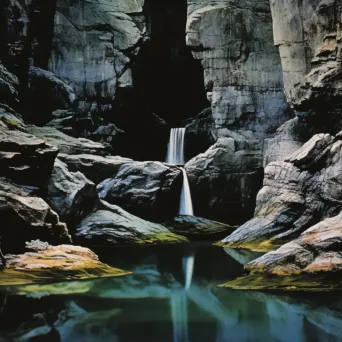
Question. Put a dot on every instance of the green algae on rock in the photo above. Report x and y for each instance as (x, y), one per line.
(45, 263)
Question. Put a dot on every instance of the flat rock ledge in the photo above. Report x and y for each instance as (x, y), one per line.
(45, 263)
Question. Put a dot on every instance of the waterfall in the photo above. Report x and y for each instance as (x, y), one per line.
(175, 156)
(185, 205)
(175, 153)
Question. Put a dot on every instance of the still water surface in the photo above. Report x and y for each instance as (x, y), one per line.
(172, 296)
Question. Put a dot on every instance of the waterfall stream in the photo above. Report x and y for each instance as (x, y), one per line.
(175, 156)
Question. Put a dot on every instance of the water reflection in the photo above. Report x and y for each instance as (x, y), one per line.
(171, 297)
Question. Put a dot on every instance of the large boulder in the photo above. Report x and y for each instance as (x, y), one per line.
(25, 158)
(147, 189)
(298, 193)
(71, 194)
(96, 168)
(25, 218)
(311, 262)
(112, 225)
(45, 263)
(67, 144)
(242, 69)
(225, 180)
(309, 39)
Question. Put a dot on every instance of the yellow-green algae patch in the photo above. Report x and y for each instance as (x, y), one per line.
(314, 283)
(45, 263)
(163, 238)
(255, 246)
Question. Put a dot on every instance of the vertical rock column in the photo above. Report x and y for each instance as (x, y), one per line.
(242, 69)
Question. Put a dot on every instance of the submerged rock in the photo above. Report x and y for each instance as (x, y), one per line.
(147, 189)
(112, 225)
(297, 193)
(45, 263)
(312, 262)
(198, 228)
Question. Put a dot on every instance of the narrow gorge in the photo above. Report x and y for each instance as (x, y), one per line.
(171, 151)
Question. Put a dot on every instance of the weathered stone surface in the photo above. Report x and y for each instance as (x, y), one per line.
(9, 84)
(45, 263)
(309, 38)
(56, 94)
(25, 158)
(147, 189)
(71, 194)
(112, 225)
(311, 262)
(198, 228)
(25, 218)
(199, 134)
(225, 180)
(242, 69)
(297, 194)
(67, 144)
(93, 44)
(95, 168)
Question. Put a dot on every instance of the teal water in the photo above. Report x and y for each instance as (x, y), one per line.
(172, 296)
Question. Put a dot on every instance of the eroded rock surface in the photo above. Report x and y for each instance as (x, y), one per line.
(298, 193)
(45, 263)
(225, 180)
(311, 262)
(147, 189)
(309, 38)
(112, 225)
(242, 69)
(25, 217)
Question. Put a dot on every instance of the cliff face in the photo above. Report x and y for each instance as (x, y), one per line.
(309, 37)
(242, 69)
(93, 44)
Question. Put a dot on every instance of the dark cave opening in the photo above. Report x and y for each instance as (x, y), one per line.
(169, 79)
(167, 82)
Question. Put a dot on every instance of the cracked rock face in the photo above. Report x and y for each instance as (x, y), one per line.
(242, 69)
(309, 38)
(299, 192)
(93, 44)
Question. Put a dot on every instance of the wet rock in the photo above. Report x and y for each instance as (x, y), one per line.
(25, 158)
(225, 180)
(95, 168)
(25, 218)
(112, 225)
(67, 144)
(311, 262)
(297, 194)
(71, 194)
(198, 228)
(64, 262)
(150, 190)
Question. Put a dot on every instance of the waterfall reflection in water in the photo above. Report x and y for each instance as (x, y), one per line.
(171, 296)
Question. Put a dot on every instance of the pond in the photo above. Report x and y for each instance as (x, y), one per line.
(172, 295)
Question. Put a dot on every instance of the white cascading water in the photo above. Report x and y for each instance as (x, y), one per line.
(175, 152)
(175, 156)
